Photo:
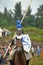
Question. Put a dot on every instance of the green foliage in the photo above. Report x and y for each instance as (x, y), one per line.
(40, 11)
(29, 21)
(39, 23)
(7, 18)
(39, 19)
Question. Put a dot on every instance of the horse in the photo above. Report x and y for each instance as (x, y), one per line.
(19, 57)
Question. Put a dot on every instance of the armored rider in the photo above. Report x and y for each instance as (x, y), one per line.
(26, 43)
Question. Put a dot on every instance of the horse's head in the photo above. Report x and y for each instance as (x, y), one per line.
(19, 43)
(19, 58)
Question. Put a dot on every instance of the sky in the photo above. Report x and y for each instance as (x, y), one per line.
(24, 3)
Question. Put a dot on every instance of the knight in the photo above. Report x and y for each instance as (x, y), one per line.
(21, 42)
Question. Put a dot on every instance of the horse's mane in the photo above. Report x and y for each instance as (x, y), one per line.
(19, 58)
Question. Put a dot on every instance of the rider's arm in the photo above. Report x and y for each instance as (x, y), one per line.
(13, 42)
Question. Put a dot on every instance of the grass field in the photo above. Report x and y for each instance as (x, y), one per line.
(36, 61)
(34, 33)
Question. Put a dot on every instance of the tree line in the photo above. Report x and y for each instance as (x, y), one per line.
(9, 17)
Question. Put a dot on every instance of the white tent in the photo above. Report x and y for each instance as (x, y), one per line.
(1, 32)
(7, 32)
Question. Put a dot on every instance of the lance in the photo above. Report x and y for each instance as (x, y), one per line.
(26, 11)
(7, 50)
(9, 47)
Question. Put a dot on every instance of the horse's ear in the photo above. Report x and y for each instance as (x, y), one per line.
(16, 38)
(12, 42)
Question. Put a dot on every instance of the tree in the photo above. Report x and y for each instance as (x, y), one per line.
(28, 12)
(17, 11)
(5, 12)
(40, 11)
(39, 19)
(29, 19)
(8, 16)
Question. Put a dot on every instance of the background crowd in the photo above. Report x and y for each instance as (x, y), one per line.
(38, 51)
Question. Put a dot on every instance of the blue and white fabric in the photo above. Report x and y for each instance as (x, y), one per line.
(26, 43)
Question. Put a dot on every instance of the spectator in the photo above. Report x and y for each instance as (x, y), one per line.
(0, 57)
(38, 51)
(42, 52)
(32, 51)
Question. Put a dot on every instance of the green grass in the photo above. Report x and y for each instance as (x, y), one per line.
(36, 61)
(34, 33)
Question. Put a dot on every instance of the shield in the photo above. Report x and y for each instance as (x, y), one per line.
(26, 42)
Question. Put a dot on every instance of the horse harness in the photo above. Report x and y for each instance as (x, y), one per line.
(19, 45)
